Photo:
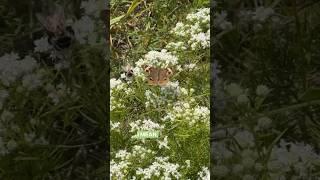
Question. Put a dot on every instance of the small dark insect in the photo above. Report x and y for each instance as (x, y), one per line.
(60, 36)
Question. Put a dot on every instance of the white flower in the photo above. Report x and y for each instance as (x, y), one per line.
(162, 59)
(190, 66)
(123, 76)
(56, 94)
(158, 167)
(6, 116)
(117, 169)
(192, 115)
(234, 89)
(114, 83)
(200, 39)
(115, 126)
(146, 124)
(176, 45)
(244, 138)
(196, 30)
(163, 143)
(264, 122)
(262, 13)
(11, 145)
(204, 174)
(62, 65)
(91, 7)
(179, 29)
(42, 45)
(242, 99)
(82, 28)
(11, 68)
(188, 163)
(31, 81)
(262, 90)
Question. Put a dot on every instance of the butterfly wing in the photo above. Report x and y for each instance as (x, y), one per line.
(153, 76)
(164, 75)
(157, 76)
(53, 22)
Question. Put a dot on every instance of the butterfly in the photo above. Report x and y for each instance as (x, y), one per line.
(157, 76)
(60, 36)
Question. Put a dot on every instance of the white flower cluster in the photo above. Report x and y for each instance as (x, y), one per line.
(7, 144)
(262, 13)
(84, 30)
(120, 165)
(244, 138)
(167, 95)
(200, 40)
(204, 174)
(153, 100)
(190, 67)
(161, 59)
(31, 138)
(297, 157)
(196, 29)
(176, 45)
(32, 81)
(172, 89)
(56, 94)
(118, 169)
(235, 90)
(116, 84)
(146, 124)
(161, 169)
(91, 7)
(202, 16)
(116, 87)
(11, 68)
(183, 111)
(163, 143)
(7, 147)
(115, 126)
(42, 45)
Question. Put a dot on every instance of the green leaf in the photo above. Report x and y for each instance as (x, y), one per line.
(133, 6)
(115, 20)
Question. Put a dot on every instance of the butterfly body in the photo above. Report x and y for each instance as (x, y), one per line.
(157, 76)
